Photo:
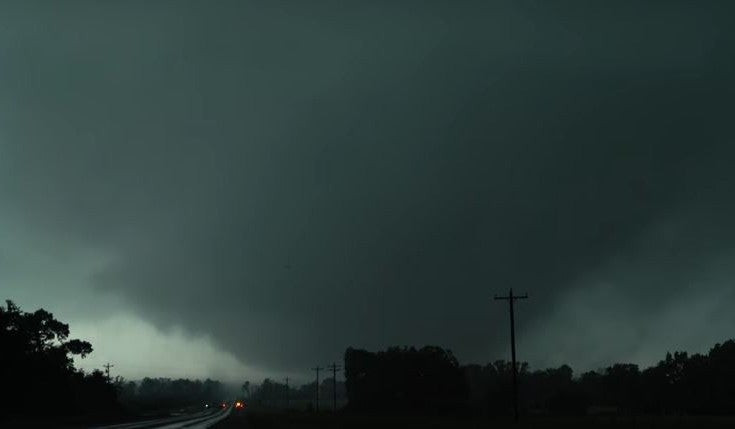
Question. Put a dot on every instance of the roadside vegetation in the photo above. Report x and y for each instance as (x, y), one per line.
(37, 370)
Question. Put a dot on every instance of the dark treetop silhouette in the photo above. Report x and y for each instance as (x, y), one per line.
(430, 380)
(37, 369)
(39, 378)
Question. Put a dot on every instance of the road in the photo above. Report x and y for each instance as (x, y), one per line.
(203, 420)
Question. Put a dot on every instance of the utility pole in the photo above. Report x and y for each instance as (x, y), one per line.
(334, 367)
(107, 367)
(287, 392)
(511, 298)
(317, 369)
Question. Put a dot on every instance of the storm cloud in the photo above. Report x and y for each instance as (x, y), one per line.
(292, 178)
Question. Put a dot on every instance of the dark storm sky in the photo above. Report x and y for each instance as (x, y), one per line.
(285, 179)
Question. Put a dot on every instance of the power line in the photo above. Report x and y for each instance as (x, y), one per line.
(334, 367)
(317, 369)
(511, 298)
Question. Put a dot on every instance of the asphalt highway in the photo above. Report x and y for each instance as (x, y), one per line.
(201, 420)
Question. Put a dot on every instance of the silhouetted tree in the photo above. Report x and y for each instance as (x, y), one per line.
(36, 366)
(404, 379)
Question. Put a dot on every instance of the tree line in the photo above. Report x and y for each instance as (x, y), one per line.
(151, 394)
(275, 394)
(431, 380)
(38, 378)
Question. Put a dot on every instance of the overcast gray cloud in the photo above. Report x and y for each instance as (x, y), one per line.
(292, 178)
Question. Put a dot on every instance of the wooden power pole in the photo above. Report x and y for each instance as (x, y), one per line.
(334, 367)
(317, 369)
(287, 392)
(107, 367)
(511, 298)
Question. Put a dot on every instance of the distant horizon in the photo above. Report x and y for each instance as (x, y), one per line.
(177, 338)
(306, 376)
